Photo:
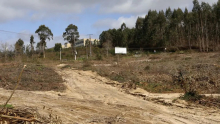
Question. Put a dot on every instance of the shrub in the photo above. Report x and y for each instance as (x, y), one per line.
(147, 68)
(112, 51)
(189, 85)
(86, 63)
(98, 53)
(191, 96)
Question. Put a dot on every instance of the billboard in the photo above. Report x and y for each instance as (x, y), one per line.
(120, 50)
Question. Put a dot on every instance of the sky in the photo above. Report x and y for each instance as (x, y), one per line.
(21, 18)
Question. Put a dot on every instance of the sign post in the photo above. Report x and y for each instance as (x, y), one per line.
(120, 50)
(75, 54)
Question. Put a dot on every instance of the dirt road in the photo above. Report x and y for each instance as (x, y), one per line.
(90, 99)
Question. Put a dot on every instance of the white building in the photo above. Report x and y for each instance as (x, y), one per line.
(81, 42)
(66, 45)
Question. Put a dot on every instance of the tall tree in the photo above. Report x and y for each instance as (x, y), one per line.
(57, 47)
(71, 34)
(188, 21)
(124, 35)
(44, 33)
(87, 45)
(123, 26)
(168, 15)
(39, 46)
(161, 20)
(19, 47)
(197, 13)
(206, 10)
(215, 25)
(150, 30)
(32, 44)
(107, 44)
(196, 29)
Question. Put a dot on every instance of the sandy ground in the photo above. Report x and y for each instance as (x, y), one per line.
(90, 98)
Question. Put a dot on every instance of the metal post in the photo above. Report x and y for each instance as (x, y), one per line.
(74, 46)
(90, 44)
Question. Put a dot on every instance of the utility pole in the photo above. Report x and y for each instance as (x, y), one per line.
(90, 44)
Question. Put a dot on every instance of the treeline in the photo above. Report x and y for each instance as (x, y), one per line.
(196, 29)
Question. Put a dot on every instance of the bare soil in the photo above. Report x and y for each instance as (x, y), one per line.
(90, 98)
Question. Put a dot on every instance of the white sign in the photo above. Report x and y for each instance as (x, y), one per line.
(120, 50)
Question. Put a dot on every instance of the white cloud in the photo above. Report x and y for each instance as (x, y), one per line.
(116, 23)
(139, 7)
(37, 9)
(8, 13)
(142, 6)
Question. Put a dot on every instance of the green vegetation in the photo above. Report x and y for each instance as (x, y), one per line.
(71, 34)
(9, 106)
(44, 33)
(19, 47)
(191, 96)
(173, 29)
(57, 47)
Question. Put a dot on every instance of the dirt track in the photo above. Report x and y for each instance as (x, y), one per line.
(90, 99)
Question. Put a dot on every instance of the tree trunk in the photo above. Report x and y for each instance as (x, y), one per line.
(207, 38)
(86, 52)
(217, 31)
(202, 33)
(74, 49)
(189, 36)
(200, 42)
(44, 50)
(107, 52)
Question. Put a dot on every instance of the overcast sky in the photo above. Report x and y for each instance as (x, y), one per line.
(91, 16)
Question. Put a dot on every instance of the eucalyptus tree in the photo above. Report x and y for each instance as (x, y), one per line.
(44, 34)
(138, 33)
(176, 26)
(215, 25)
(71, 34)
(19, 47)
(87, 45)
(188, 21)
(198, 28)
(206, 12)
(150, 29)
(168, 15)
(32, 44)
(108, 42)
(161, 22)
(197, 13)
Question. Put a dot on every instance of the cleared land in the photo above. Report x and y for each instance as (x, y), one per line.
(87, 97)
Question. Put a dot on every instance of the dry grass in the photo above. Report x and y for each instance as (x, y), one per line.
(35, 77)
(156, 72)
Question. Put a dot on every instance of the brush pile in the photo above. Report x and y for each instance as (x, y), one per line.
(19, 116)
